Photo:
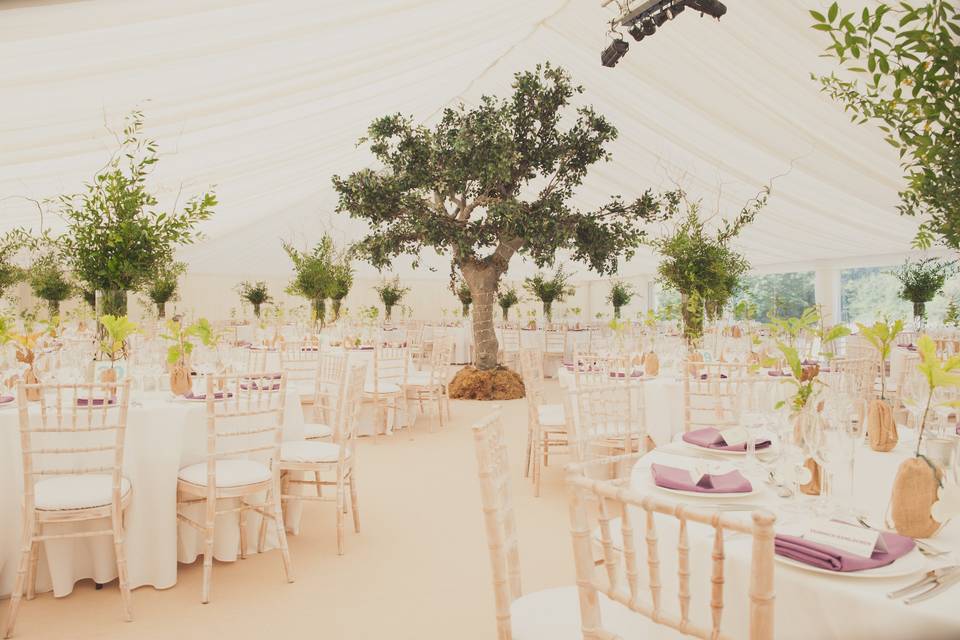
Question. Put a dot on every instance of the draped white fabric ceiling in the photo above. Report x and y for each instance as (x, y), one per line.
(266, 99)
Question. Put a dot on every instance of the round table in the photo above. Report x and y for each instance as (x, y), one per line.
(808, 605)
(163, 435)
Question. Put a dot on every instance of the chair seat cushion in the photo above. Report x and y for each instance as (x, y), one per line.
(382, 387)
(309, 451)
(313, 430)
(60, 493)
(551, 415)
(229, 473)
(554, 614)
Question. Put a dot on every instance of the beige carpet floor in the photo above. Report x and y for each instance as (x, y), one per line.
(418, 569)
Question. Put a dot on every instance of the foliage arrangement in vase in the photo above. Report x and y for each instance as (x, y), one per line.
(920, 281)
(918, 480)
(26, 344)
(316, 275)
(391, 293)
(498, 185)
(340, 287)
(10, 274)
(700, 264)
(115, 239)
(161, 288)
(256, 294)
(549, 290)
(507, 298)
(881, 426)
(901, 60)
(462, 290)
(621, 293)
(49, 280)
(113, 346)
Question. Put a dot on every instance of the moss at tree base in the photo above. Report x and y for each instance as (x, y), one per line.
(471, 383)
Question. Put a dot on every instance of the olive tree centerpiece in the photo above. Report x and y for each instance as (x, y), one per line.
(490, 182)
(116, 238)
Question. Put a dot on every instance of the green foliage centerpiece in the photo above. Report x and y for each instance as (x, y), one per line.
(256, 294)
(314, 275)
(391, 293)
(161, 288)
(507, 298)
(620, 296)
(490, 182)
(548, 290)
(920, 281)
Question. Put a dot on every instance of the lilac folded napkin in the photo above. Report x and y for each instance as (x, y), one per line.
(710, 438)
(255, 386)
(826, 557)
(703, 376)
(92, 402)
(6, 399)
(218, 395)
(621, 374)
(776, 373)
(680, 480)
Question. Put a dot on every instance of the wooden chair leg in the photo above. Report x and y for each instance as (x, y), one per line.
(208, 551)
(527, 469)
(274, 499)
(34, 562)
(123, 579)
(243, 534)
(354, 501)
(340, 507)
(18, 586)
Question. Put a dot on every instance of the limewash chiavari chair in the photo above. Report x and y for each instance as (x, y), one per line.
(415, 344)
(620, 576)
(510, 347)
(331, 371)
(385, 390)
(857, 376)
(607, 418)
(546, 423)
(338, 457)
(712, 393)
(431, 385)
(244, 420)
(550, 614)
(72, 453)
(256, 359)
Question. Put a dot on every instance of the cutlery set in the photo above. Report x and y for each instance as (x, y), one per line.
(932, 583)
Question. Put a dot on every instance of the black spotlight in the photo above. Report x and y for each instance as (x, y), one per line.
(713, 8)
(677, 8)
(660, 19)
(649, 28)
(612, 54)
(636, 33)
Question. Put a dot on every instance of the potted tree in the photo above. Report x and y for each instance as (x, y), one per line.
(507, 298)
(391, 293)
(549, 290)
(881, 427)
(497, 185)
(256, 294)
(920, 281)
(115, 238)
(162, 286)
(620, 295)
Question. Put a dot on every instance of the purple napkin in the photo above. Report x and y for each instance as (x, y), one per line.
(833, 559)
(703, 376)
(621, 374)
(273, 387)
(680, 480)
(710, 438)
(309, 348)
(92, 402)
(6, 399)
(218, 395)
(776, 373)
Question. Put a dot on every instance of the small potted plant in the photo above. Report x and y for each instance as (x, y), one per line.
(178, 357)
(920, 281)
(881, 427)
(113, 346)
(255, 293)
(621, 293)
(26, 345)
(391, 293)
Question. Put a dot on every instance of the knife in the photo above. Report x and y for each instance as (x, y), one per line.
(942, 584)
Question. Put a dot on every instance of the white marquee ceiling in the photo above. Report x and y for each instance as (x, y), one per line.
(265, 99)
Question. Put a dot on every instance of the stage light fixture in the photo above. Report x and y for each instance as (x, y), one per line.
(649, 28)
(660, 18)
(713, 8)
(677, 8)
(636, 33)
(612, 54)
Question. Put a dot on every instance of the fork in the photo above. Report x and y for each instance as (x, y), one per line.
(932, 583)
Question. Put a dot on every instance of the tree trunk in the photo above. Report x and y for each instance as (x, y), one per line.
(161, 310)
(483, 281)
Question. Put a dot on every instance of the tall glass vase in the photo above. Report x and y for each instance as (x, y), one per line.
(112, 302)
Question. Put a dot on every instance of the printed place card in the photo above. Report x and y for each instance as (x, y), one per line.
(858, 541)
(734, 436)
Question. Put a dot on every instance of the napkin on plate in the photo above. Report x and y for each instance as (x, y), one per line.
(826, 557)
(681, 480)
(711, 438)
(621, 374)
(6, 399)
(92, 402)
(703, 376)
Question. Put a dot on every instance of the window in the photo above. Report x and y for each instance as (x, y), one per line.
(783, 295)
(868, 294)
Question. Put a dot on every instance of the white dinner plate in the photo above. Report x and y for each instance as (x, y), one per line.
(709, 496)
(912, 563)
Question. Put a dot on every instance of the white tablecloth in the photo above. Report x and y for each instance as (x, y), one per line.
(163, 435)
(809, 605)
